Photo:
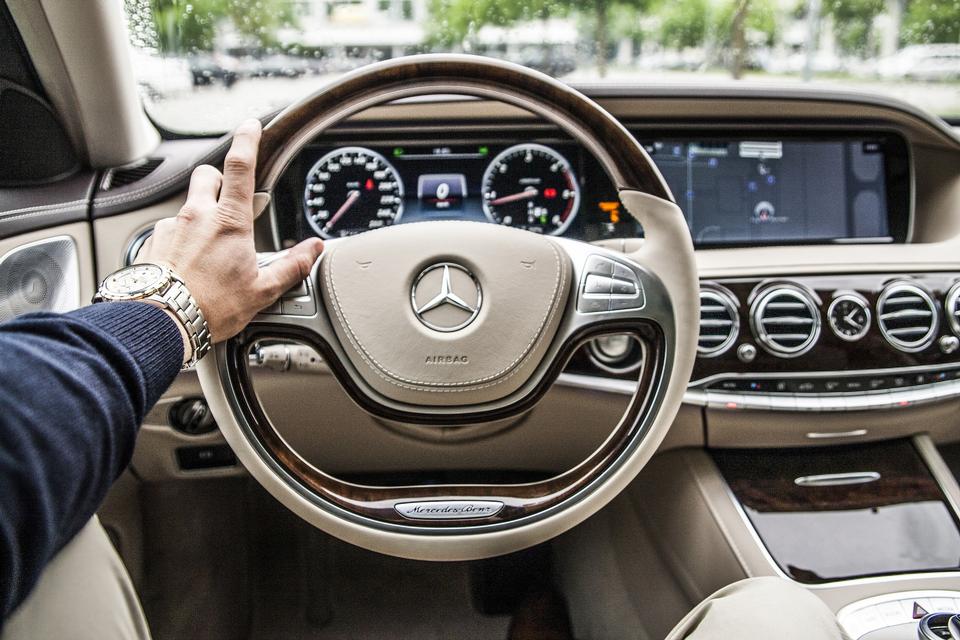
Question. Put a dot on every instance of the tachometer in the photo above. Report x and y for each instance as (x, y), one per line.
(532, 187)
(351, 190)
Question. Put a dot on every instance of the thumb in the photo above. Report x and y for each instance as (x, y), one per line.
(290, 268)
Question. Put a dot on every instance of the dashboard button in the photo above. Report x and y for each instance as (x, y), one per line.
(832, 386)
(806, 386)
(853, 385)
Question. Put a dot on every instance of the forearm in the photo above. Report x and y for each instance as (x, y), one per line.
(73, 392)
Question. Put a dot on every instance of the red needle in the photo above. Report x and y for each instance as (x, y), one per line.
(529, 192)
(351, 198)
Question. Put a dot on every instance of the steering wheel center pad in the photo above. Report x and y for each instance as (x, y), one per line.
(515, 283)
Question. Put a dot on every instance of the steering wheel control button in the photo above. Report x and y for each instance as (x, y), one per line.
(446, 297)
(597, 284)
(299, 306)
(609, 285)
(299, 290)
(449, 509)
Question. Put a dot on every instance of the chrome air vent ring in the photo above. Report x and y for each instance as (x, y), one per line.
(785, 319)
(951, 308)
(907, 316)
(719, 322)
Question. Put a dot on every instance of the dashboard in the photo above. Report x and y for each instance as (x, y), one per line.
(734, 190)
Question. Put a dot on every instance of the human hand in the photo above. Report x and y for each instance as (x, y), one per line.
(210, 243)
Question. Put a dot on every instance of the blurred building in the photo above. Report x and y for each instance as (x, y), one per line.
(359, 28)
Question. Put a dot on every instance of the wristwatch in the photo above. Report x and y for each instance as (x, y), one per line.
(154, 283)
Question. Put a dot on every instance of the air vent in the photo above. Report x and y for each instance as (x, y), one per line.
(952, 308)
(719, 322)
(907, 317)
(123, 176)
(785, 320)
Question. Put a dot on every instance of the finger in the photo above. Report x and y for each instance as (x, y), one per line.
(204, 187)
(239, 167)
(293, 267)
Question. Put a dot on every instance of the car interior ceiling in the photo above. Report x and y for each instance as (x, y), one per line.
(816, 436)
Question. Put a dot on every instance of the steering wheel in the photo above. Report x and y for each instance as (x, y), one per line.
(459, 323)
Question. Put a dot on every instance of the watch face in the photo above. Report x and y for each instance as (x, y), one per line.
(849, 317)
(134, 281)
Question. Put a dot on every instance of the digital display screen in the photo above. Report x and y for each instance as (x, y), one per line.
(770, 191)
(732, 191)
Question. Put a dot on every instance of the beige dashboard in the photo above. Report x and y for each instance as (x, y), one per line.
(577, 414)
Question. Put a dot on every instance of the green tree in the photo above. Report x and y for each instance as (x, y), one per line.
(186, 26)
(683, 23)
(463, 18)
(853, 22)
(738, 22)
(931, 21)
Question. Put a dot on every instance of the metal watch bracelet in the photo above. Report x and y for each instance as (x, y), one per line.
(178, 299)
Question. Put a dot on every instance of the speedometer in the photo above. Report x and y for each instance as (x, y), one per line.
(350, 190)
(532, 187)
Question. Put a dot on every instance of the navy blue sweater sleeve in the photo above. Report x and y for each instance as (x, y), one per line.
(74, 389)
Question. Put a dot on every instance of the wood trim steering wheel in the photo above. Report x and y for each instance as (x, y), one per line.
(541, 299)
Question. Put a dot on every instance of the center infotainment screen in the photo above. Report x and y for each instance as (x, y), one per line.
(776, 191)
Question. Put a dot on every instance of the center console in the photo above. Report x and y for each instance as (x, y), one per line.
(832, 517)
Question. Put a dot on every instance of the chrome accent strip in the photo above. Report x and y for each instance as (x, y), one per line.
(870, 400)
(788, 375)
(950, 307)
(837, 479)
(826, 435)
(596, 383)
(449, 509)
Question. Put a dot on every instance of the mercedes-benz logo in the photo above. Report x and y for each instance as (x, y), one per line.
(446, 297)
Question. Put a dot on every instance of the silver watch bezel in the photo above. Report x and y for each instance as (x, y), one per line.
(161, 284)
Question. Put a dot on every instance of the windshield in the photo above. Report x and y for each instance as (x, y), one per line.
(204, 65)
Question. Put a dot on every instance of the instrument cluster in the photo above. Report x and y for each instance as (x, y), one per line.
(552, 188)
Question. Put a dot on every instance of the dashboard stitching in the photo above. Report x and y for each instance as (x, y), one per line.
(397, 380)
(26, 212)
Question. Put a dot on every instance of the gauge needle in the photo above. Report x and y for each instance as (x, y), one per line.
(351, 198)
(849, 318)
(529, 192)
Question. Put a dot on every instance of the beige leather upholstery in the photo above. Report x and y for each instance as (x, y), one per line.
(524, 279)
(83, 594)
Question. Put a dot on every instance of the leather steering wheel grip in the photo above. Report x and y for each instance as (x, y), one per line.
(510, 517)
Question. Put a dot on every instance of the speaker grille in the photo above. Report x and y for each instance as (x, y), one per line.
(40, 276)
(122, 176)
